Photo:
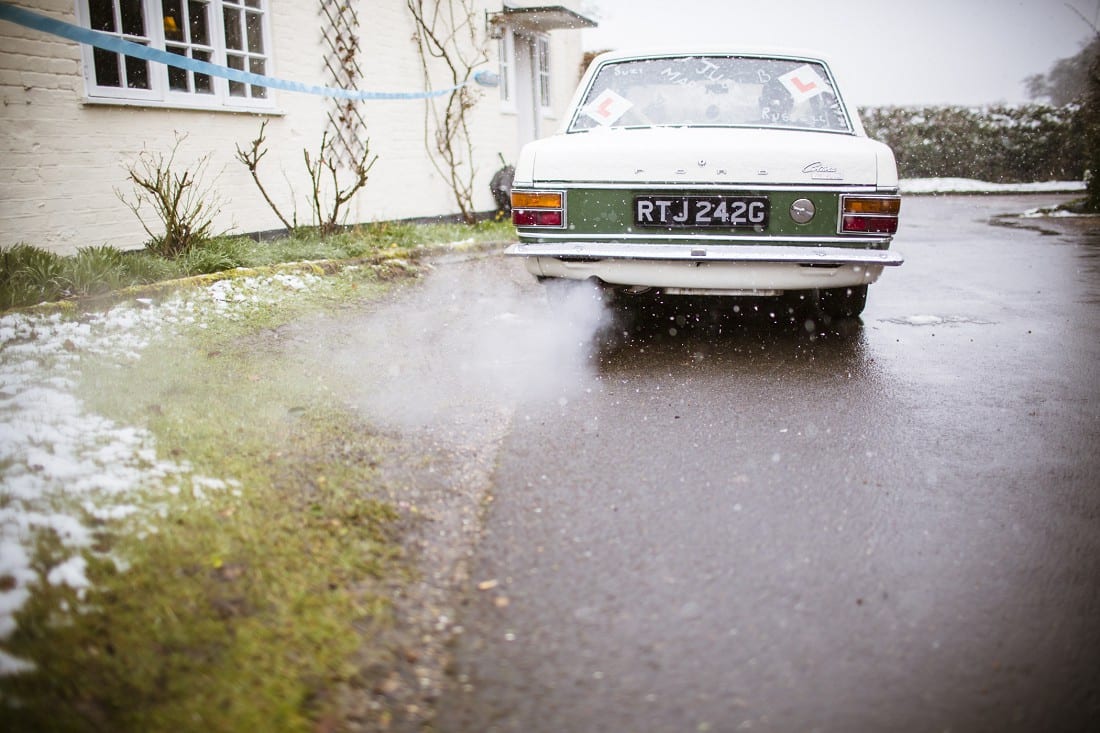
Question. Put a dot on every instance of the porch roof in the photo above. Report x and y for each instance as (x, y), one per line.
(541, 18)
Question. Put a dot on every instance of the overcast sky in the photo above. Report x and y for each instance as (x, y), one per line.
(883, 51)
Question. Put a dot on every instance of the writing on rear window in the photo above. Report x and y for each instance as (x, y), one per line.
(712, 91)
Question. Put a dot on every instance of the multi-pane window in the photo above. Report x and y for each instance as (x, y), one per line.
(187, 33)
(124, 19)
(244, 43)
(231, 33)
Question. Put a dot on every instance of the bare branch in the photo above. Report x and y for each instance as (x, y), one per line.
(1089, 23)
(251, 159)
(184, 206)
(449, 34)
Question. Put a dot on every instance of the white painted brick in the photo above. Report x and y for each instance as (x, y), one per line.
(62, 160)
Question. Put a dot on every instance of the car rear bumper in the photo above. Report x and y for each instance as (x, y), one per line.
(734, 269)
(704, 252)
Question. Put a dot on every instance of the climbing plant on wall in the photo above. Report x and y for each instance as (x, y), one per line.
(347, 129)
(450, 47)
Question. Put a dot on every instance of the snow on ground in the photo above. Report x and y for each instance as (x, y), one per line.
(1042, 212)
(64, 471)
(969, 185)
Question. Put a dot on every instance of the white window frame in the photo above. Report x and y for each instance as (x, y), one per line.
(159, 93)
(543, 74)
(506, 50)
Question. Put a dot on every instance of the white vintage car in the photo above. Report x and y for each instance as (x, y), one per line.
(710, 173)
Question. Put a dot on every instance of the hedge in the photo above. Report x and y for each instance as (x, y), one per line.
(1001, 144)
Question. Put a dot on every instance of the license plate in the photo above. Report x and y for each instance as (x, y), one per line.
(728, 212)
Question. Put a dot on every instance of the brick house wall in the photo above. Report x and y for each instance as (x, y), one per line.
(64, 157)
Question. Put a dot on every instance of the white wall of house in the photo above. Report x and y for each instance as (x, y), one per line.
(64, 157)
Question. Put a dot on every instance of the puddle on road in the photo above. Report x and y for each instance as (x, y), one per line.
(931, 320)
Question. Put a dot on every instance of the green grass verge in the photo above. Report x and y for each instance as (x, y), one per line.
(30, 275)
(240, 609)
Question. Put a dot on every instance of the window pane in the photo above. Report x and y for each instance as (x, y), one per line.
(173, 20)
(255, 33)
(544, 71)
(177, 77)
(137, 73)
(236, 89)
(233, 29)
(203, 83)
(133, 19)
(200, 27)
(257, 66)
(502, 57)
(106, 68)
(102, 16)
(252, 3)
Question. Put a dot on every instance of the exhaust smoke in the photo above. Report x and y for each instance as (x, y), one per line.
(468, 345)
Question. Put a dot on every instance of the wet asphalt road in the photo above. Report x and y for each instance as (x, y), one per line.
(761, 526)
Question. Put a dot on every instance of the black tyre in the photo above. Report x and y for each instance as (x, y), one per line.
(842, 302)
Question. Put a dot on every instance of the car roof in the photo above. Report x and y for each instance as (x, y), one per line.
(710, 50)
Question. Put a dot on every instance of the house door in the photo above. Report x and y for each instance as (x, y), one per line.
(528, 109)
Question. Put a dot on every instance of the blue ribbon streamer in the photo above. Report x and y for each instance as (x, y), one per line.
(109, 42)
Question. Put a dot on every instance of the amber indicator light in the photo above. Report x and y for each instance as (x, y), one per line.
(536, 200)
(880, 206)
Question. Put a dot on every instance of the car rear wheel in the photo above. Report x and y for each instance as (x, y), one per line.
(842, 302)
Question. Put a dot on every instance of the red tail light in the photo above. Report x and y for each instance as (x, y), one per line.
(869, 214)
(538, 209)
(534, 218)
(870, 225)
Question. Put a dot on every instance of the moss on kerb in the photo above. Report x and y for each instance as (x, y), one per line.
(385, 267)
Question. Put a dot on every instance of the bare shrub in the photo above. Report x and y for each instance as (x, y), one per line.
(180, 201)
(324, 180)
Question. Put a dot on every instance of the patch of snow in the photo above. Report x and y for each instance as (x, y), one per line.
(72, 573)
(1043, 213)
(969, 185)
(68, 473)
